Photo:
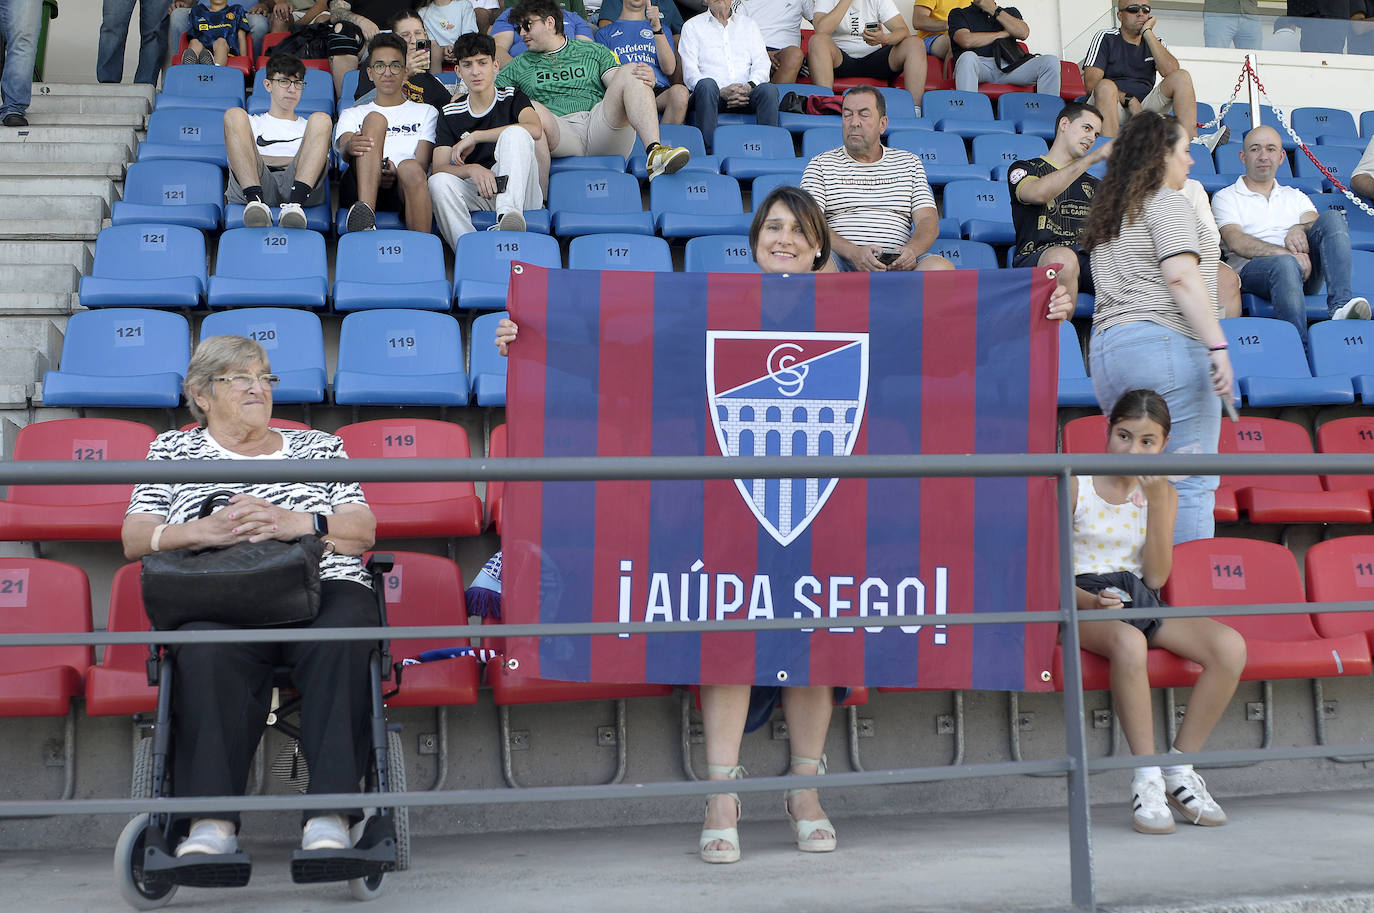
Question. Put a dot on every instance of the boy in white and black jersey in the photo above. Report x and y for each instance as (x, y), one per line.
(277, 158)
(487, 148)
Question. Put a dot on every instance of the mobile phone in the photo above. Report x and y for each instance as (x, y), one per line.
(422, 44)
(1121, 594)
(888, 257)
(871, 26)
(501, 181)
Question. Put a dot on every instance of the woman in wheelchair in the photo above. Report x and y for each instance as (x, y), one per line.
(221, 692)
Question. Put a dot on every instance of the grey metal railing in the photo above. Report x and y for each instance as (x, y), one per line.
(1074, 764)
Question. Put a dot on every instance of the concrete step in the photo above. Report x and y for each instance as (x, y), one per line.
(39, 155)
(76, 136)
(91, 104)
(44, 186)
(43, 91)
(76, 254)
(34, 304)
(43, 277)
(60, 118)
(51, 218)
(34, 166)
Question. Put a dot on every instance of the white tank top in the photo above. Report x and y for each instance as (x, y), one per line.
(1107, 537)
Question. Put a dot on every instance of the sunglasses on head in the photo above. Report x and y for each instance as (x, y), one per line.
(1136, 8)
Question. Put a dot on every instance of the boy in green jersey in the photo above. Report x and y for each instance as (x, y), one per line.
(593, 105)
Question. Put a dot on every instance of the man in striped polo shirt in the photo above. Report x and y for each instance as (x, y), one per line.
(877, 201)
(593, 105)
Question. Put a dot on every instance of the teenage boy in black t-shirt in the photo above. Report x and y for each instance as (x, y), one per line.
(485, 154)
(1051, 195)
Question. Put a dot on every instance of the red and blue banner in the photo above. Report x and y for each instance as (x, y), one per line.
(692, 364)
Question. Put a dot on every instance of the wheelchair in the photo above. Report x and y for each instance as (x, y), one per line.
(148, 873)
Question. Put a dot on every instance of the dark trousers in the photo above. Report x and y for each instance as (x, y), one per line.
(763, 101)
(221, 694)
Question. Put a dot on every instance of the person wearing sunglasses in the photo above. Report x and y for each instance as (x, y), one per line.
(278, 158)
(387, 143)
(510, 42)
(1120, 69)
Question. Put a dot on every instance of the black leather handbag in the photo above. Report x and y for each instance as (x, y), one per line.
(247, 585)
(1007, 54)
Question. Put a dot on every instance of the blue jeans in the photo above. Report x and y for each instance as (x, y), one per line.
(1279, 278)
(1223, 30)
(1043, 70)
(20, 21)
(114, 34)
(1145, 355)
(763, 101)
(178, 18)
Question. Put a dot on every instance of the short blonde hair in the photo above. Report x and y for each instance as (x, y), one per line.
(215, 356)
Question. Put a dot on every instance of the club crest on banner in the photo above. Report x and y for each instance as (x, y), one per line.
(786, 394)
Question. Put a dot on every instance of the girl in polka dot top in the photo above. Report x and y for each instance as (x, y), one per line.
(1123, 533)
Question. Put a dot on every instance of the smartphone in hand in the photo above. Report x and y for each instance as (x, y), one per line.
(888, 257)
(501, 181)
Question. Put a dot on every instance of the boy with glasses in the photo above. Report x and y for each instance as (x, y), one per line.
(388, 143)
(593, 106)
(1119, 73)
(277, 158)
(422, 62)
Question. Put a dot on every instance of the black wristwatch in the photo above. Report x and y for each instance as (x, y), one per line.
(321, 525)
(658, 31)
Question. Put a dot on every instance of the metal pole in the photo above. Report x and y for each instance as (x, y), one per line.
(1252, 93)
(1075, 743)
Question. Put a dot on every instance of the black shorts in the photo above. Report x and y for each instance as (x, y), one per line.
(871, 66)
(1085, 267)
(389, 199)
(1143, 597)
(345, 40)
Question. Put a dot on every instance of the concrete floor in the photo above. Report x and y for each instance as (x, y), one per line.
(1298, 853)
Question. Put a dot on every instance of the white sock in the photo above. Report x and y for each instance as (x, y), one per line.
(1147, 773)
(1173, 770)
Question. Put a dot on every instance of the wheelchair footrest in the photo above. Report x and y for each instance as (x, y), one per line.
(199, 870)
(314, 866)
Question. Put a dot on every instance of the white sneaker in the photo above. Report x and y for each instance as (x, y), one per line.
(511, 221)
(1354, 309)
(1188, 793)
(325, 832)
(1212, 140)
(209, 836)
(257, 214)
(292, 215)
(1149, 812)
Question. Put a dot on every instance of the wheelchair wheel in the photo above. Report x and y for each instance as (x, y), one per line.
(128, 868)
(141, 784)
(369, 887)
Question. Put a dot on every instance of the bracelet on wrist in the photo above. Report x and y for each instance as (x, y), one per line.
(1219, 347)
(156, 543)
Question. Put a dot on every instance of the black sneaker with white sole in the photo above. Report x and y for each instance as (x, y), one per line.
(360, 217)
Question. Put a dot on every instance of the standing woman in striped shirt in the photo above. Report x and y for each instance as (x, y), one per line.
(1155, 322)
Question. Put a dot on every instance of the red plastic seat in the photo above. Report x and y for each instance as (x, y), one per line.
(428, 590)
(41, 596)
(1164, 668)
(242, 64)
(1071, 87)
(1347, 435)
(416, 509)
(1285, 499)
(119, 685)
(496, 491)
(1342, 570)
(87, 512)
(1222, 572)
(945, 69)
(272, 39)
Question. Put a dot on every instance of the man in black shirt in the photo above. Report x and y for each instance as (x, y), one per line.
(485, 154)
(1051, 195)
(975, 30)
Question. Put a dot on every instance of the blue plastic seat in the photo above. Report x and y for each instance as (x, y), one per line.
(585, 202)
(391, 269)
(800, 123)
(766, 183)
(615, 164)
(169, 190)
(1360, 223)
(262, 267)
(999, 150)
(191, 134)
(1228, 163)
(1075, 387)
(539, 221)
(748, 151)
(1339, 160)
(387, 220)
(962, 113)
(481, 265)
(1367, 124)
(900, 105)
(966, 254)
(294, 341)
(147, 265)
(1032, 113)
(684, 135)
(983, 210)
(942, 154)
(121, 357)
(197, 86)
(318, 95)
(486, 365)
(347, 89)
(1253, 305)
(688, 204)
(1328, 126)
(1344, 347)
(719, 254)
(820, 139)
(400, 357)
(620, 252)
(1271, 369)
(1238, 119)
(317, 218)
(1204, 171)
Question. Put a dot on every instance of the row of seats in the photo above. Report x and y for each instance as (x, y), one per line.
(1269, 498)
(1269, 363)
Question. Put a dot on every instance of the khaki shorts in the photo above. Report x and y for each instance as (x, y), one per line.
(276, 184)
(1156, 101)
(590, 133)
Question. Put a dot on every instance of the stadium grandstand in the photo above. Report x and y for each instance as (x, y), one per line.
(119, 252)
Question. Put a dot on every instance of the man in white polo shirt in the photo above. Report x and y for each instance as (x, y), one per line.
(725, 66)
(1278, 244)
